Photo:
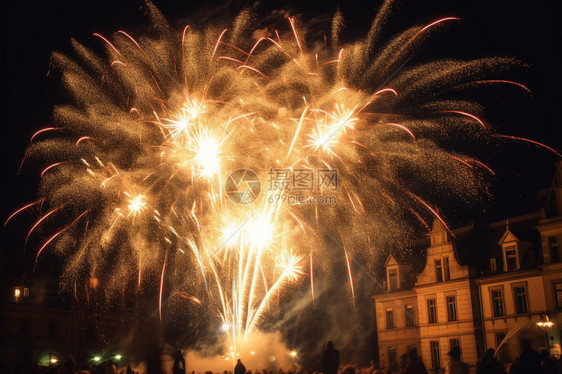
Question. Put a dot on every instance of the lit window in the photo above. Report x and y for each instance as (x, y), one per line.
(497, 302)
(409, 315)
(446, 270)
(392, 279)
(558, 294)
(20, 292)
(520, 298)
(389, 318)
(451, 308)
(435, 359)
(438, 271)
(431, 311)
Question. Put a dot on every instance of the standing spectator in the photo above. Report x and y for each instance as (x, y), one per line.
(239, 368)
(415, 366)
(529, 359)
(488, 364)
(179, 363)
(330, 359)
(548, 363)
(455, 365)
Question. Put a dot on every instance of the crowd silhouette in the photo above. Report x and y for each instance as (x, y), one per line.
(529, 361)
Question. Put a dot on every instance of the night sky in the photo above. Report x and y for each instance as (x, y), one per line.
(528, 31)
(531, 33)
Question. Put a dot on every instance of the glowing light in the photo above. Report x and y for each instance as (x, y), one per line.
(324, 138)
(137, 204)
(545, 321)
(225, 108)
(118, 356)
(259, 233)
(289, 264)
(207, 156)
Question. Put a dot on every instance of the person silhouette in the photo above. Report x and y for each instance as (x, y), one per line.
(239, 368)
(455, 365)
(179, 363)
(488, 364)
(415, 366)
(330, 361)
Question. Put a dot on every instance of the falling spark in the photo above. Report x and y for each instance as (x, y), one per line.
(27, 206)
(350, 277)
(209, 103)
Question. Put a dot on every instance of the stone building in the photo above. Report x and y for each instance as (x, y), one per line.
(447, 300)
(396, 313)
(482, 286)
(34, 332)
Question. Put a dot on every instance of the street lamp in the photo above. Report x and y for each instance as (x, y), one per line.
(546, 323)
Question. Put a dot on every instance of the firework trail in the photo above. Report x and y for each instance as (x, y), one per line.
(135, 165)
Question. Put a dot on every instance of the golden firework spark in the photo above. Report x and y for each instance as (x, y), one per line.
(173, 115)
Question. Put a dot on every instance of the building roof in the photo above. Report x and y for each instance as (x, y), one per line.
(477, 243)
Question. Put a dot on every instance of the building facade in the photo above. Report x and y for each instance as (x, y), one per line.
(33, 333)
(446, 303)
(550, 229)
(396, 313)
(506, 289)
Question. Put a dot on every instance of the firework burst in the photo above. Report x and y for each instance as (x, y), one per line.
(138, 166)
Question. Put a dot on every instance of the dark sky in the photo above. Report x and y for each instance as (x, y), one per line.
(530, 31)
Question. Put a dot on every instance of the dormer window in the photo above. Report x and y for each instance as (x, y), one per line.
(396, 274)
(511, 257)
(392, 279)
(509, 243)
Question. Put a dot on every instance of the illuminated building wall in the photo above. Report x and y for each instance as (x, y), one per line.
(506, 285)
